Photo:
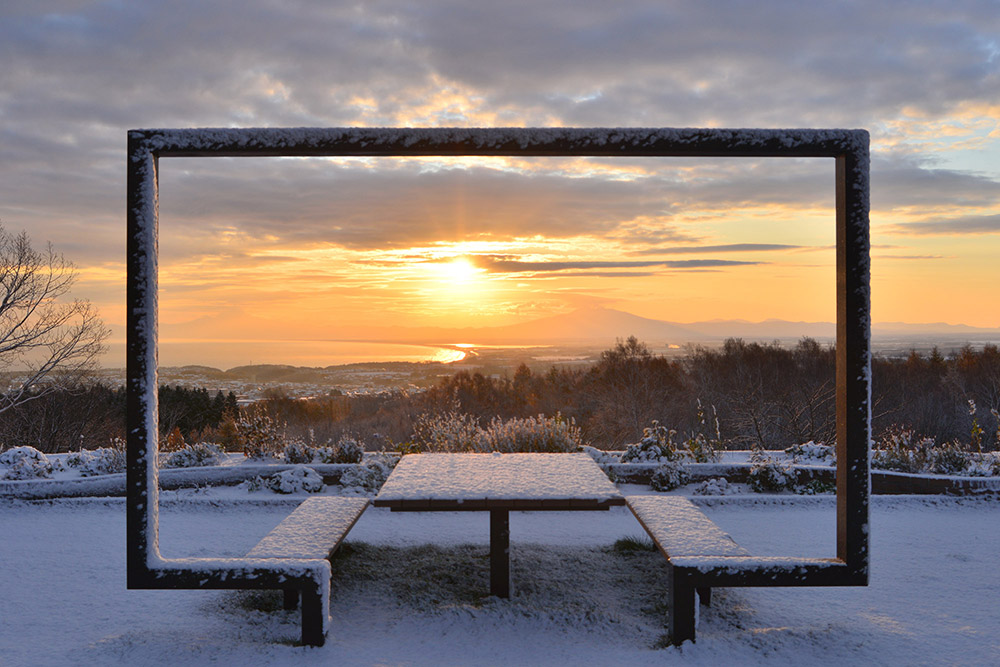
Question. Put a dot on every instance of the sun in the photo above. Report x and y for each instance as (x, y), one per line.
(459, 270)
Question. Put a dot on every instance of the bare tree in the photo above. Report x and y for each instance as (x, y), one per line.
(46, 344)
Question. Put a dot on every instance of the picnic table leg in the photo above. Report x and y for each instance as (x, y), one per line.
(681, 624)
(500, 553)
(291, 598)
(312, 618)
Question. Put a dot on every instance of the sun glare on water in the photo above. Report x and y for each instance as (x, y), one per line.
(449, 356)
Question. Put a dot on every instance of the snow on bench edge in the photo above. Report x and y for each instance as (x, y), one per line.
(681, 529)
(312, 530)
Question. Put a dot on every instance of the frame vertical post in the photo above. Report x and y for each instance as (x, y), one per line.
(853, 361)
(141, 365)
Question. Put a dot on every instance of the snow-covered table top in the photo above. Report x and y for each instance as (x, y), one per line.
(449, 482)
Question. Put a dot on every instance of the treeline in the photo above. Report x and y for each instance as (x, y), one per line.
(761, 394)
(92, 416)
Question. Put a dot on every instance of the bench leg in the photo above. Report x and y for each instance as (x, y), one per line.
(682, 609)
(705, 596)
(291, 598)
(500, 553)
(312, 618)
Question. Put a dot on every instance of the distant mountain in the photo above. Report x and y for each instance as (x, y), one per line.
(767, 330)
(241, 324)
(594, 324)
(932, 328)
(589, 326)
(605, 325)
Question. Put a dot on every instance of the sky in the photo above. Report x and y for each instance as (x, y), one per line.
(324, 248)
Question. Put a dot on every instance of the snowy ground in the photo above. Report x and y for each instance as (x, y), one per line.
(409, 592)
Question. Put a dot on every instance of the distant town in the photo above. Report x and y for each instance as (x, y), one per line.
(255, 382)
(251, 383)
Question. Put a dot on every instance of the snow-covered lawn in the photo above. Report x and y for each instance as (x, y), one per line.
(933, 596)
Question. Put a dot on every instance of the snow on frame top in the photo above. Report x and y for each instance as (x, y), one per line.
(718, 142)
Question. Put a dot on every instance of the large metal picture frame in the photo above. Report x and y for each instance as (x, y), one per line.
(849, 150)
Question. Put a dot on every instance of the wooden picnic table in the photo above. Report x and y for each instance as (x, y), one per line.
(497, 483)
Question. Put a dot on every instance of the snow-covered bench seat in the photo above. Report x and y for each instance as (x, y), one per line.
(700, 556)
(312, 532)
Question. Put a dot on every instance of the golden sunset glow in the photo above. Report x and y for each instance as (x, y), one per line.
(494, 242)
(458, 274)
(365, 248)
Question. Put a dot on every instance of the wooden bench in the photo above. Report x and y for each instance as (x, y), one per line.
(313, 531)
(700, 556)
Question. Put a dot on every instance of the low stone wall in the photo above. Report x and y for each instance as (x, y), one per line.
(170, 478)
(883, 481)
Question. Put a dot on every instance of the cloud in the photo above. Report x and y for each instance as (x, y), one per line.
(707, 263)
(728, 247)
(520, 266)
(606, 274)
(973, 224)
(80, 74)
(390, 203)
(396, 206)
(908, 257)
(907, 182)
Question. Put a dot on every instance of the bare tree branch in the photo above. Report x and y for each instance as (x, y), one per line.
(46, 344)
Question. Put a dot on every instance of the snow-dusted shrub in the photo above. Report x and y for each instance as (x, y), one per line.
(716, 486)
(253, 484)
(101, 461)
(816, 487)
(28, 469)
(600, 456)
(985, 465)
(370, 477)
(668, 476)
(770, 476)
(900, 450)
(347, 450)
(460, 432)
(14, 454)
(298, 451)
(195, 455)
(976, 433)
(325, 454)
(350, 450)
(699, 447)
(533, 434)
(295, 481)
(259, 433)
(949, 458)
(657, 444)
(449, 432)
(364, 478)
(173, 441)
(811, 451)
(26, 463)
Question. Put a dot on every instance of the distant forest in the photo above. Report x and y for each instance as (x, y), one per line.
(762, 395)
